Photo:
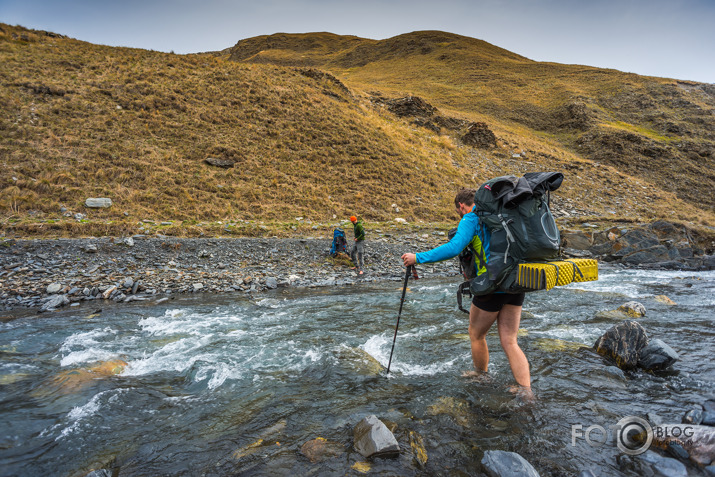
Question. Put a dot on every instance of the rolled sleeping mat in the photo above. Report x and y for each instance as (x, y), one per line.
(546, 275)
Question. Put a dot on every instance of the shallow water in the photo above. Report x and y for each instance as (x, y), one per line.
(229, 385)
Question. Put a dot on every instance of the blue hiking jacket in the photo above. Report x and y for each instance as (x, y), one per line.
(470, 229)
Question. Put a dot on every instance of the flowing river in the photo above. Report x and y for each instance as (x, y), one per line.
(236, 385)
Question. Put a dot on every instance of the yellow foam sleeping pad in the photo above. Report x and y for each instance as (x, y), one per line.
(547, 275)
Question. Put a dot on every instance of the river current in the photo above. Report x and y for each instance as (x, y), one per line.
(237, 384)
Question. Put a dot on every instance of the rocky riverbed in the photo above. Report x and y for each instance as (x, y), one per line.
(47, 274)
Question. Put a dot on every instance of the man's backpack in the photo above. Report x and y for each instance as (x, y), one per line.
(339, 243)
(516, 213)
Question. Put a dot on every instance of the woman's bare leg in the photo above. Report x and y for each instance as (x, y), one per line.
(508, 326)
(479, 323)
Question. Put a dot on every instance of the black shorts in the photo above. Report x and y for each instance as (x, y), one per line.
(496, 301)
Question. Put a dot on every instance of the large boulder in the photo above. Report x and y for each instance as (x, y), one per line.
(656, 254)
(576, 240)
(372, 438)
(657, 355)
(623, 343)
(507, 464)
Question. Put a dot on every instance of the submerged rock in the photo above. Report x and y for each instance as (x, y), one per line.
(320, 449)
(100, 473)
(74, 380)
(507, 464)
(633, 309)
(458, 409)
(660, 465)
(555, 344)
(247, 450)
(360, 361)
(418, 447)
(664, 299)
(657, 355)
(362, 467)
(623, 344)
(371, 437)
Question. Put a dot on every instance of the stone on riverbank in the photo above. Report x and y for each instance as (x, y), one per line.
(576, 240)
(623, 343)
(372, 438)
(507, 464)
(658, 245)
(657, 355)
(54, 302)
(53, 288)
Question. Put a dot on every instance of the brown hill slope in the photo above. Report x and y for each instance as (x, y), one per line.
(83, 120)
(657, 129)
(92, 121)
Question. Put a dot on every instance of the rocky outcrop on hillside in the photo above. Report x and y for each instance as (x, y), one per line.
(657, 245)
(423, 114)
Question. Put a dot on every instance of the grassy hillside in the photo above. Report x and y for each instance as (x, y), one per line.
(660, 130)
(83, 120)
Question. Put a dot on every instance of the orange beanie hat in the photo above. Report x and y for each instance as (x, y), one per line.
(353, 219)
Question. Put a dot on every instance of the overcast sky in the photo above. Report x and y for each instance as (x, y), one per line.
(674, 38)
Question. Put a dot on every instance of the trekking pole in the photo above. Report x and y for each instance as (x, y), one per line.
(411, 269)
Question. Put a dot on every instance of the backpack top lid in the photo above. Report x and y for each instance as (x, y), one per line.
(510, 191)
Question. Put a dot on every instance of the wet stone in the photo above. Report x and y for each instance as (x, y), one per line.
(507, 464)
(633, 309)
(623, 343)
(657, 355)
(694, 416)
(676, 450)
(660, 465)
(320, 449)
(54, 302)
(371, 437)
(708, 418)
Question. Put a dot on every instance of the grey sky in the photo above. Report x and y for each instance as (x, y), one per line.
(674, 38)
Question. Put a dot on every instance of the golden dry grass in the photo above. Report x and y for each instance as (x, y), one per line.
(83, 120)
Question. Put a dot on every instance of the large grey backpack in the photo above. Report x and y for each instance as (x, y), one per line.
(516, 213)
